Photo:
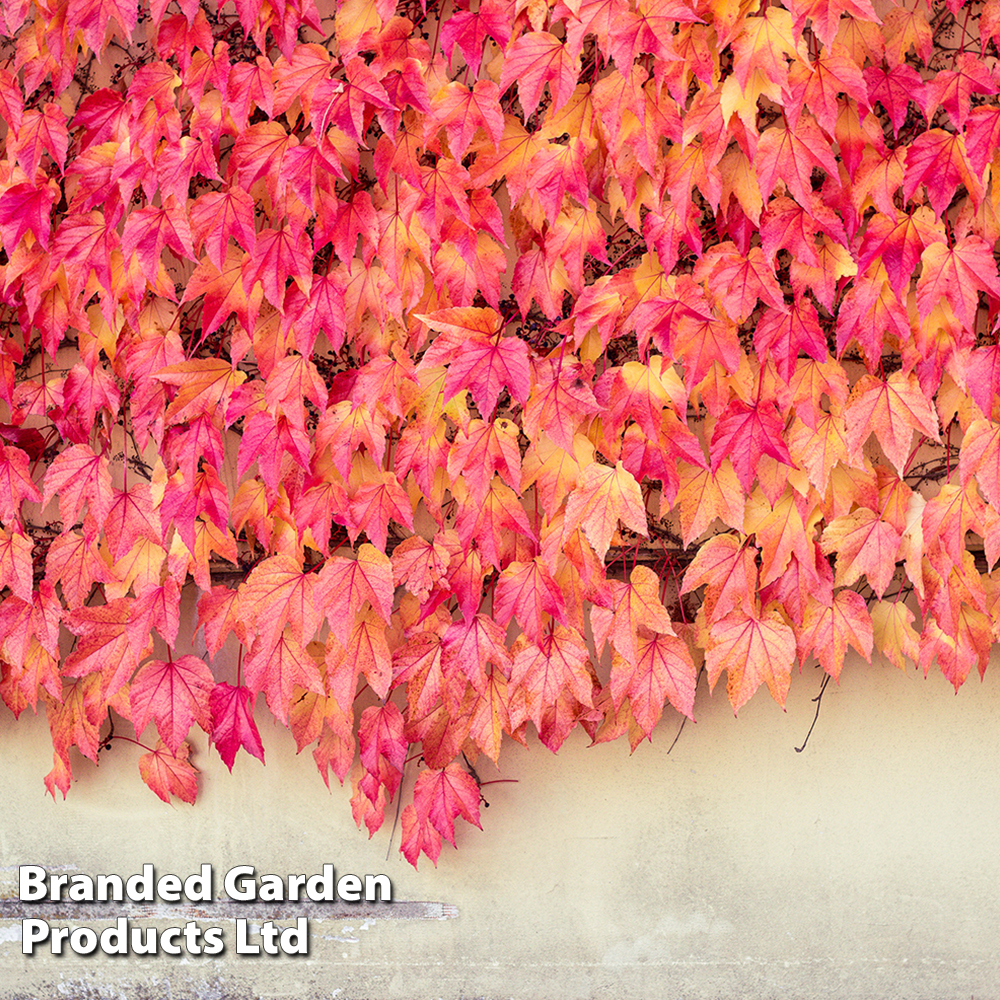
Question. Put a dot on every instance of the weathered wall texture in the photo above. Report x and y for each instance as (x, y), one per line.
(866, 866)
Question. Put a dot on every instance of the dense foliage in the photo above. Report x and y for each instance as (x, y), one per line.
(486, 363)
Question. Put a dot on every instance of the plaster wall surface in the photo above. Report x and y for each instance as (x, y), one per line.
(866, 866)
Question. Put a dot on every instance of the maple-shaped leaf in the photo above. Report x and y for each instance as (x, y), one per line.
(461, 110)
(537, 58)
(984, 377)
(478, 358)
(705, 495)
(335, 752)
(826, 15)
(311, 712)
(344, 585)
(782, 334)
(752, 649)
(373, 505)
(297, 75)
(217, 217)
(982, 132)
(779, 527)
(35, 675)
(233, 724)
(344, 222)
(469, 645)
(819, 85)
(790, 155)
(277, 593)
(642, 392)
(279, 254)
(343, 427)
(204, 386)
(482, 450)
(727, 568)
(893, 409)
(938, 160)
(893, 632)
(276, 668)
(149, 230)
(870, 311)
(817, 450)
(104, 646)
(443, 794)
(738, 281)
(467, 30)
(542, 672)
(382, 745)
(79, 476)
(827, 631)
(980, 457)
(465, 268)
(168, 772)
(74, 561)
(663, 671)
(765, 41)
(603, 496)
(785, 223)
(343, 102)
(84, 243)
(16, 483)
(417, 663)
(367, 651)
(894, 88)
(442, 732)
(420, 566)
(76, 720)
(953, 88)
(956, 650)
(25, 208)
(157, 606)
(633, 607)
(864, 543)
(898, 241)
(418, 836)
(956, 274)
(491, 716)
(744, 434)
(560, 400)
(176, 694)
(131, 516)
(946, 519)
(528, 591)
(497, 524)
(41, 130)
(224, 292)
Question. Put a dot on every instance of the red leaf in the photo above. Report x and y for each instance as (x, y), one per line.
(537, 58)
(233, 724)
(744, 434)
(175, 694)
(442, 795)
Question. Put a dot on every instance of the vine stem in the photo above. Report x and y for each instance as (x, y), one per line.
(818, 700)
(399, 802)
(128, 739)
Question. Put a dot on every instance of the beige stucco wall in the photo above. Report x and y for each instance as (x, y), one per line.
(866, 866)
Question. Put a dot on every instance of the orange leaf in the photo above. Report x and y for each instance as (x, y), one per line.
(169, 773)
(752, 649)
(603, 496)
